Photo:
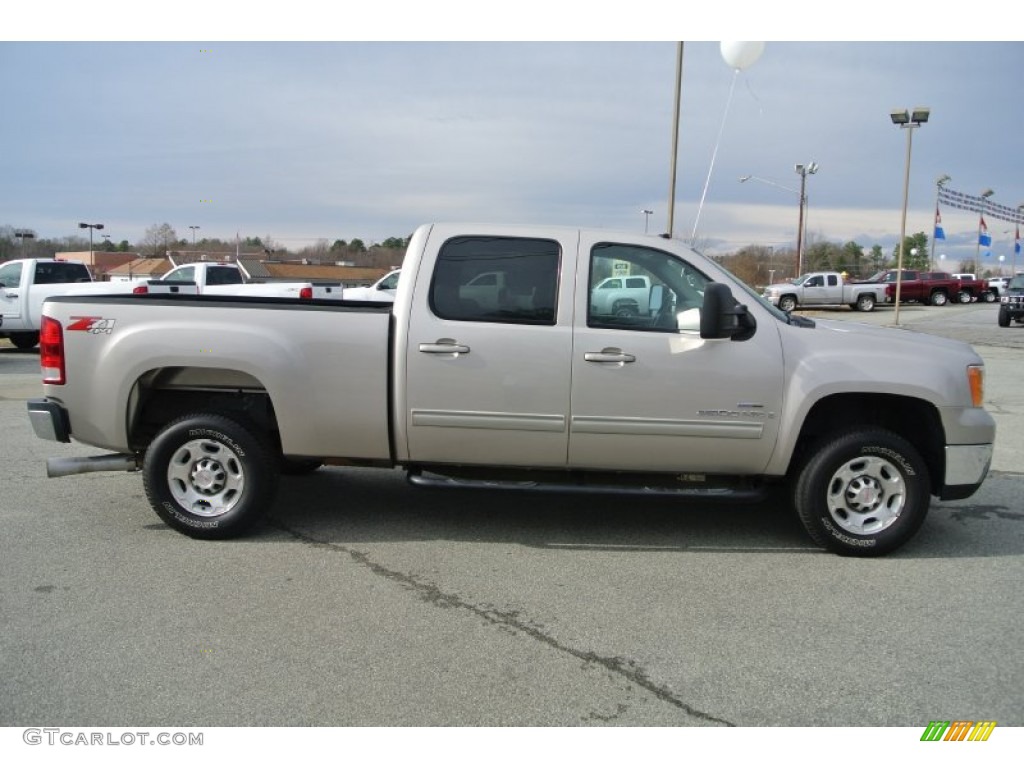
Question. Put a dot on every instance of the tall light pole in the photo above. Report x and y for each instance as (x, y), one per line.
(981, 215)
(23, 236)
(193, 227)
(802, 171)
(939, 184)
(909, 119)
(802, 199)
(90, 227)
(674, 154)
(647, 217)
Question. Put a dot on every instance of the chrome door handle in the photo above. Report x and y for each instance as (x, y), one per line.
(609, 355)
(444, 347)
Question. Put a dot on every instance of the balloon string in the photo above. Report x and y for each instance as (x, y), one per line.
(714, 154)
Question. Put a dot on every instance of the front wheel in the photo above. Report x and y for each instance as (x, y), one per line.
(209, 477)
(865, 493)
(1004, 317)
(787, 303)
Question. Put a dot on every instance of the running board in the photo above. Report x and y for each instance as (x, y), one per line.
(641, 485)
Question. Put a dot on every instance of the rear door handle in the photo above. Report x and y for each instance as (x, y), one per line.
(609, 355)
(445, 347)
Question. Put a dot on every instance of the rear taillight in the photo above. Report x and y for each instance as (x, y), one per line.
(51, 350)
(306, 293)
(140, 289)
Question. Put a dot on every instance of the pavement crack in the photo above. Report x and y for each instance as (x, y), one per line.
(431, 593)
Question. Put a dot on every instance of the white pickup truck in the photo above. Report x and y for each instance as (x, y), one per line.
(227, 279)
(26, 283)
(825, 289)
(702, 396)
(383, 290)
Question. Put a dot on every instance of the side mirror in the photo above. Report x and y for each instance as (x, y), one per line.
(656, 300)
(722, 317)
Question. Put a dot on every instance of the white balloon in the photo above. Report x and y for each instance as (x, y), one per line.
(741, 55)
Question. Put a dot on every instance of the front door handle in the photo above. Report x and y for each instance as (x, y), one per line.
(609, 355)
(445, 347)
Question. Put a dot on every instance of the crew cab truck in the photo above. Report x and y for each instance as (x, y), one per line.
(935, 288)
(1011, 303)
(824, 289)
(622, 295)
(26, 283)
(702, 397)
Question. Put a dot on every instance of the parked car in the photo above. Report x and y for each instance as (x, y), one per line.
(382, 290)
(1011, 303)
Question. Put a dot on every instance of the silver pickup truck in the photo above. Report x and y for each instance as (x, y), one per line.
(710, 393)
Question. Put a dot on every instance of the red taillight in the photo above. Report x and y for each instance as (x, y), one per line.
(140, 289)
(306, 293)
(51, 350)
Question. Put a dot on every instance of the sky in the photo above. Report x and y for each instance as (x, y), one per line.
(299, 140)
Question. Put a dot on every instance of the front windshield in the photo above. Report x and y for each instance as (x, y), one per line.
(1017, 283)
(799, 280)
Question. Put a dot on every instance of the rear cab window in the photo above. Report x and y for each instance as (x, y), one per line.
(496, 280)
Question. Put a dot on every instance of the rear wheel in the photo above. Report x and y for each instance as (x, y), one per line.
(866, 302)
(209, 476)
(990, 296)
(865, 493)
(938, 299)
(964, 297)
(25, 340)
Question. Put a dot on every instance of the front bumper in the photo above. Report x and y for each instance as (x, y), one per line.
(966, 469)
(49, 420)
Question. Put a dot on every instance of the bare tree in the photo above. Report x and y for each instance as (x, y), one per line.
(158, 238)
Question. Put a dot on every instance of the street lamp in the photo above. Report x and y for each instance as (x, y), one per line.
(802, 198)
(90, 227)
(939, 184)
(23, 236)
(909, 120)
(802, 171)
(193, 228)
(647, 217)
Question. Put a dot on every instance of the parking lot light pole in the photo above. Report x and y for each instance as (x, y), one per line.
(909, 120)
(90, 227)
(647, 217)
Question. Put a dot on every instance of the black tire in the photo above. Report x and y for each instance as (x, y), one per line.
(25, 339)
(938, 299)
(625, 309)
(205, 460)
(866, 302)
(787, 303)
(965, 297)
(1004, 317)
(990, 296)
(864, 493)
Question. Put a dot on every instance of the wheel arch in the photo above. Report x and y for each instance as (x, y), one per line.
(161, 395)
(916, 421)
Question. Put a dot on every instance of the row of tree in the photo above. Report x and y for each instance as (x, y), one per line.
(160, 238)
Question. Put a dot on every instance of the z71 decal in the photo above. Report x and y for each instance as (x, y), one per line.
(92, 324)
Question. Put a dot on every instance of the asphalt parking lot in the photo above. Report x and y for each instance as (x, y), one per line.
(364, 601)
